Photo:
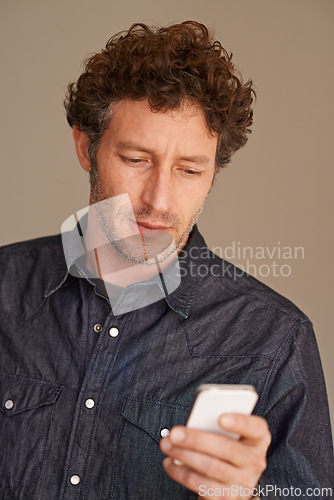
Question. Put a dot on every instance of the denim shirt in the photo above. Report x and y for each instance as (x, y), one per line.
(86, 395)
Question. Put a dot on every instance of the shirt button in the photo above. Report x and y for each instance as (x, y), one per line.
(9, 404)
(164, 433)
(113, 332)
(97, 328)
(75, 479)
(89, 403)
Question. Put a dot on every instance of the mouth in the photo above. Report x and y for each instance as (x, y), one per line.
(147, 226)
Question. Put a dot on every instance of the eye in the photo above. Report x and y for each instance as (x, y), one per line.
(192, 173)
(133, 161)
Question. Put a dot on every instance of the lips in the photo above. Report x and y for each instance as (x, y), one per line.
(151, 227)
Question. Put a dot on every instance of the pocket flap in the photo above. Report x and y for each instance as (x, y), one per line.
(18, 394)
(153, 416)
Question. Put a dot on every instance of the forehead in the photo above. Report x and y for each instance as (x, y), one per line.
(183, 128)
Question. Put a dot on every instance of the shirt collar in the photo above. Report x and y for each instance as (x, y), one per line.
(180, 300)
(190, 259)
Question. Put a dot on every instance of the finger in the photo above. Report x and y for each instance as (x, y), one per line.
(191, 479)
(251, 428)
(244, 465)
(213, 444)
(206, 465)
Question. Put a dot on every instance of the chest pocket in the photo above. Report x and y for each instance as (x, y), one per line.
(26, 407)
(139, 472)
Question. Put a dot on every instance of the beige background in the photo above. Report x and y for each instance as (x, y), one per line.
(278, 190)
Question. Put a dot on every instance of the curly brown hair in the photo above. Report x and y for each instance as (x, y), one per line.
(167, 66)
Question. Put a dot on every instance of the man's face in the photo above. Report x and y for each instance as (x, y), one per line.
(165, 162)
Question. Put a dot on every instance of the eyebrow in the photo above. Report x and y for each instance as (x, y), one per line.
(198, 159)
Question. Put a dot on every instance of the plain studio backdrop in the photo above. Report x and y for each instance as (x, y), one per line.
(270, 211)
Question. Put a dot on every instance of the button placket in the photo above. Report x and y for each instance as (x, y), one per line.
(90, 393)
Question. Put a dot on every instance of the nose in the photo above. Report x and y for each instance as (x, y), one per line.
(158, 190)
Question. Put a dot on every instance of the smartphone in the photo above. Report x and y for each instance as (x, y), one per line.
(212, 400)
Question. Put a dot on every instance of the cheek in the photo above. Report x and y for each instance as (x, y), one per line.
(135, 189)
(113, 180)
(196, 195)
(190, 205)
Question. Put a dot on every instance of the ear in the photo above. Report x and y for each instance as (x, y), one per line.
(81, 141)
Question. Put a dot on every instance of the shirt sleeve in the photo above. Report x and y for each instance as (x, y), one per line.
(294, 403)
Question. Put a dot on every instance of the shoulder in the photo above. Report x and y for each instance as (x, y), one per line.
(21, 258)
(33, 246)
(253, 290)
(221, 279)
(26, 269)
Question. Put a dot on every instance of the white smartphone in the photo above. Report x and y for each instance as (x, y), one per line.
(212, 400)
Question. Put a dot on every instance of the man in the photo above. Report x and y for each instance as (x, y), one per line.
(96, 383)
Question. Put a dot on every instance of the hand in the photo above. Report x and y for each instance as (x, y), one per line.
(212, 462)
